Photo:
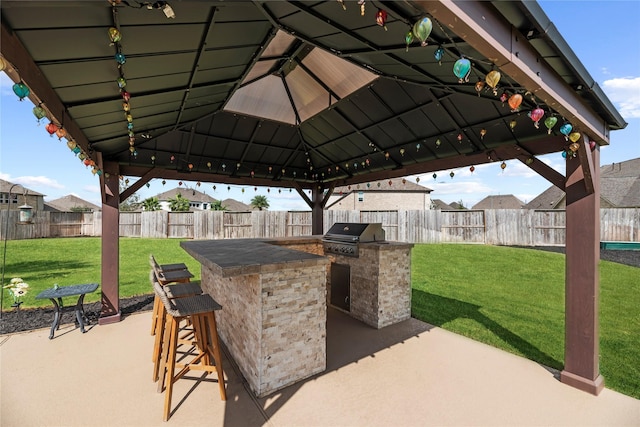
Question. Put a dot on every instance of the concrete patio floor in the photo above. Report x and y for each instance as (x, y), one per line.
(409, 374)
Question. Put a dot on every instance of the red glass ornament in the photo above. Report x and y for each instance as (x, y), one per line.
(381, 18)
(126, 96)
(535, 115)
(51, 128)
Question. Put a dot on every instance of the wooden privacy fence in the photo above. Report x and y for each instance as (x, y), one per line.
(493, 226)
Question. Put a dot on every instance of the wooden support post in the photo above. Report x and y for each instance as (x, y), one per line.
(110, 311)
(581, 368)
(317, 217)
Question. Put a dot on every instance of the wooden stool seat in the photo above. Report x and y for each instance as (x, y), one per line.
(200, 310)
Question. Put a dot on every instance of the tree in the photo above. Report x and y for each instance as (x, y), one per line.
(151, 204)
(179, 204)
(218, 206)
(132, 203)
(260, 202)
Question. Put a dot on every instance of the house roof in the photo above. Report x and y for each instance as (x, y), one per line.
(619, 186)
(70, 201)
(5, 187)
(507, 201)
(439, 204)
(235, 206)
(188, 193)
(297, 94)
(391, 185)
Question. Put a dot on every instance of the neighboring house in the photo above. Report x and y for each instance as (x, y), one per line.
(619, 188)
(440, 205)
(457, 206)
(71, 203)
(393, 194)
(233, 205)
(197, 199)
(508, 201)
(18, 198)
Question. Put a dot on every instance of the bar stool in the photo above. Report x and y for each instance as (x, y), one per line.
(177, 290)
(201, 311)
(167, 274)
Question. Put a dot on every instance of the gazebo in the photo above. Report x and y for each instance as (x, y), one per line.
(314, 95)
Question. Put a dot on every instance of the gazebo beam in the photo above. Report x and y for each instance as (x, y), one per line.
(110, 266)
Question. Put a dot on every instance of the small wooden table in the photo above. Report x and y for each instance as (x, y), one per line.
(67, 291)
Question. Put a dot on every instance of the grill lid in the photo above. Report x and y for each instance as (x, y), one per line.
(355, 232)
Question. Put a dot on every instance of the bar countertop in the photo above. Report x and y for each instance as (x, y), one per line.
(232, 257)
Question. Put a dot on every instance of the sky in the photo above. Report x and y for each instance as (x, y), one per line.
(603, 35)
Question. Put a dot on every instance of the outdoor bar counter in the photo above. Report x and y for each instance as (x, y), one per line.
(273, 297)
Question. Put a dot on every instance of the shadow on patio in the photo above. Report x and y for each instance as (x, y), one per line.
(408, 374)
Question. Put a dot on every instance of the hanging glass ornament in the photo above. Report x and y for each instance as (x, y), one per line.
(179, 183)
(404, 181)
(438, 142)
(190, 166)
(536, 115)
(550, 122)
(479, 86)
(592, 145)
(417, 179)
(85, 161)
(344, 6)
(126, 106)
(362, 7)
(434, 176)
(71, 145)
(125, 95)
(386, 156)
(483, 132)
(164, 182)
(21, 90)
(566, 129)
(574, 136)
(390, 183)
(514, 102)
(153, 159)
(422, 29)
(51, 128)
(121, 82)
(408, 39)
(76, 150)
(452, 174)
(438, 54)
(61, 133)
(39, 112)
(130, 126)
(574, 146)
(462, 69)
(82, 156)
(503, 165)
(172, 158)
(529, 160)
(417, 147)
(114, 35)
(209, 165)
(503, 98)
(564, 154)
(472, 168)
(492, 78)
(381, 18)
(214, 188)
(129, 117)
(513, 124)
(402, 152)
(120, 58)
(459, 137)
(224, 167)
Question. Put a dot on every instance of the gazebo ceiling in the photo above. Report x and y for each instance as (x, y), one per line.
(299, 93)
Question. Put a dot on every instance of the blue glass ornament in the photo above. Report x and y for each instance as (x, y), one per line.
(21, 90)
(120, 58)
(438, 54)
(564, 154)
(566, 129)
(462, 69)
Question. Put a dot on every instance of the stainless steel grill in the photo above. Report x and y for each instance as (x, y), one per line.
(343, 238)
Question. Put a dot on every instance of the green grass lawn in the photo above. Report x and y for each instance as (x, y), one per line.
(513, 299)
(43, 262)
(509, 298)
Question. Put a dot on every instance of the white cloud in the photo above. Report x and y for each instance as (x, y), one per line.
(37, 181)
(625, 93)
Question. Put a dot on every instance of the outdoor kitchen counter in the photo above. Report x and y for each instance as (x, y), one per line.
(232, 257)
(274, 310)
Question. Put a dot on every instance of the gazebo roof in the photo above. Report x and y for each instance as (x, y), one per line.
(299, 94)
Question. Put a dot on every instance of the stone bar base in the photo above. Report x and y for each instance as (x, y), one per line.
(380, 283)
(273, 322)
(590, 386)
